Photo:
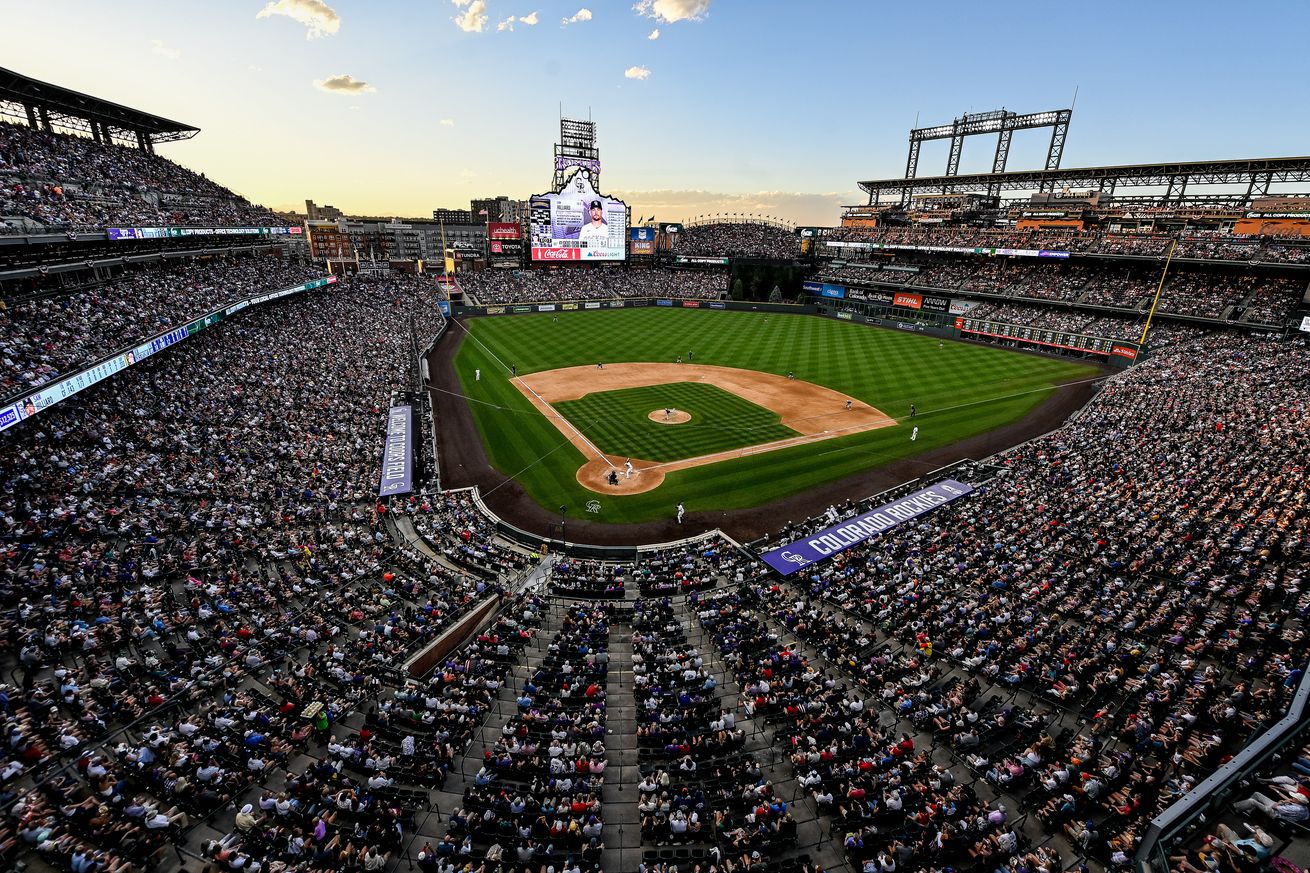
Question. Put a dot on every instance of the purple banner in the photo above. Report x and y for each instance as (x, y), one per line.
(828, 542)
(398, 455)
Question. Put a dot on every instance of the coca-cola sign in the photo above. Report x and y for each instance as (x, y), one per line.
(540, 253)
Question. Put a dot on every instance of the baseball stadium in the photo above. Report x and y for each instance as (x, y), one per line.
(960, 526)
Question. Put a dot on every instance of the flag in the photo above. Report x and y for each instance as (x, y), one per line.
(482, 212)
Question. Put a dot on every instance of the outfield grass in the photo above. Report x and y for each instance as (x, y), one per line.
(617, 423)
(960, 390)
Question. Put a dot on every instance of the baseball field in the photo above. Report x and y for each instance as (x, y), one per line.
(722, 410)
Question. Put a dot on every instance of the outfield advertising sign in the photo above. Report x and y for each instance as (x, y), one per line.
(827, 290)
(797, 555)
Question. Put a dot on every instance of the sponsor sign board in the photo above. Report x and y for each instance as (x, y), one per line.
(398, 454)
(904, 298)
(802, 553)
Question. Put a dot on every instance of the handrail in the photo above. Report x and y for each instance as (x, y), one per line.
(1217, 787)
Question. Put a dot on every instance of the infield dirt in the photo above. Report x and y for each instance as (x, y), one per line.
(815, 412)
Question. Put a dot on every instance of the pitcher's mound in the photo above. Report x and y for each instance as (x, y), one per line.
(675, 417)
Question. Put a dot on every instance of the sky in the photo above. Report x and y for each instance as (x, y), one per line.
(769, 107)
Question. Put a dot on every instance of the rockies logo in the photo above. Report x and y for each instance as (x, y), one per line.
(793, 558)
(593, 506)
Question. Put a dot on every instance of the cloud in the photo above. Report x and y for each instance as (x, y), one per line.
(583, 14)
(343, 84)
(447, 122)
(319, 18)
(804, 208)
(530, 19)
(670, 11)
(654, 34)
(637, 73)
(157, 47)
(507, 24)
(474, 18)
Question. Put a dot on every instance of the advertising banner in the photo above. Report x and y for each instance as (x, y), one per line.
(832, 290)
(398, 454)
(794, 556)
(161, 232)
(642, 240)
(663, 302)
(61, 390)
(936, 304)
(595, 304)
(815, 288)
(568, 307)
(1124, 351)
(546, 307)
(718, 304)
(691, 304)
(503, 230)
(696, 259)
(579, 220)
(960, 307)
(903, 298)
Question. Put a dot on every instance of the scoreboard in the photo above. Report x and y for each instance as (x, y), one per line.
(1096, 345)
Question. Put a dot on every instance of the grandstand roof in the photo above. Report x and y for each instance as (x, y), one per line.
(67, 108)
(1256, 173)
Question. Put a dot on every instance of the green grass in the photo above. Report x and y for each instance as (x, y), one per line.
(960, 390)
(617, 423)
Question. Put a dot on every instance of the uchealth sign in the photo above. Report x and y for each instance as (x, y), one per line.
(853, 531)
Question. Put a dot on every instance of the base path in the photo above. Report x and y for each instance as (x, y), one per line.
(813, 411)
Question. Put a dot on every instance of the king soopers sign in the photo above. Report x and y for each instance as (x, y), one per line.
(828, 542)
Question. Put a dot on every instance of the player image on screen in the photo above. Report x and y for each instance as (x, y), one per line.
(577, 223)
(595, 233)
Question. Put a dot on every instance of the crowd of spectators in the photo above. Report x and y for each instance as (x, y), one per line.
(735, 239)
(1208, 246)
(73, 183)
(536, 800)
(45, 338)
(697, 784)
(192, 556)
(1068, 320)
(604, 283)
(1186, 292)
(1141, 571)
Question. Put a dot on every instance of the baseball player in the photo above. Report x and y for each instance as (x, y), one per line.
(848, 404)
(681, 510)
(914, 435)
(913, 411)
(627, 469)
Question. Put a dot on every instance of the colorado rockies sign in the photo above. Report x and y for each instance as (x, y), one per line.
(828, 542)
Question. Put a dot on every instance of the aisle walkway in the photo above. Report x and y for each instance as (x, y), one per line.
(622, 821)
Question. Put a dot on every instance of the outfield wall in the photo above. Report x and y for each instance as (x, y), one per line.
(634, 303)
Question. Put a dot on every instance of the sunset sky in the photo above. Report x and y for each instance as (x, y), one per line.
(764, 106)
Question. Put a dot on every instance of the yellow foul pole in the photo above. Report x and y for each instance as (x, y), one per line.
(1141, 343)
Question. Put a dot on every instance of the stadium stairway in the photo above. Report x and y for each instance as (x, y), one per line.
(622, 821)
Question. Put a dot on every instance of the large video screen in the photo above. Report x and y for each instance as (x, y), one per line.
(577, 223)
